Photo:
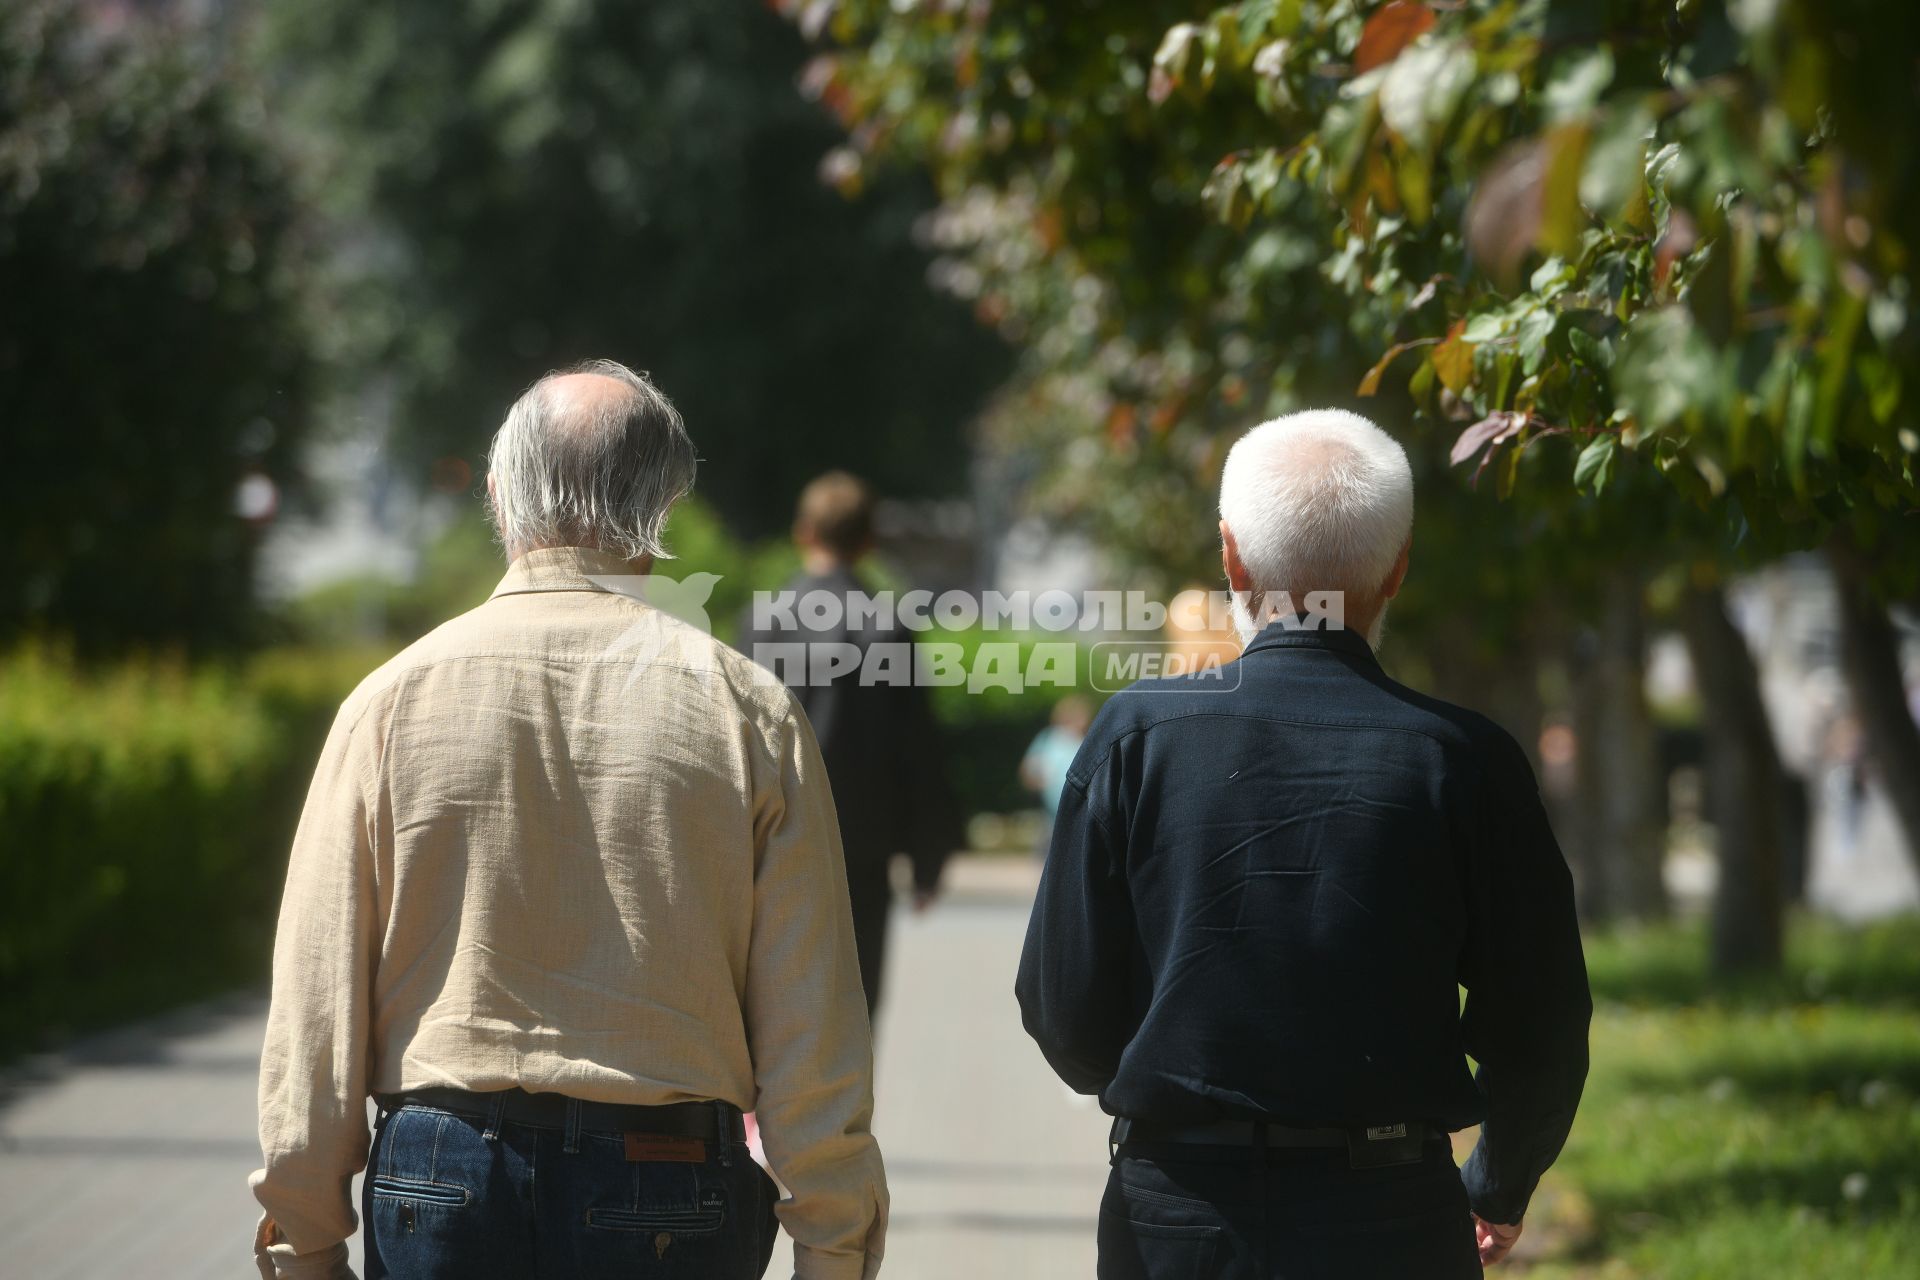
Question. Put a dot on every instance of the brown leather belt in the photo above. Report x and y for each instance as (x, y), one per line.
(713, 1121)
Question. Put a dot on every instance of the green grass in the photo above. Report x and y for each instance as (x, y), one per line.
(1765, 1129)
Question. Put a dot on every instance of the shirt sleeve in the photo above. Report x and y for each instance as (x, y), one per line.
(1528, 1005)
(807, 1028)
(1074, 997)
(313, 1069)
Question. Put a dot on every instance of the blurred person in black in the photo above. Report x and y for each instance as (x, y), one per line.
(883, 751)
(1264, 891)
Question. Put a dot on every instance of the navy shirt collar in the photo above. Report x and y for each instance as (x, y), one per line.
(1306, 632)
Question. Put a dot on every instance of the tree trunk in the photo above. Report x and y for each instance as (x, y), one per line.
(1743, 780)
(1870, 655)
(1623, 844)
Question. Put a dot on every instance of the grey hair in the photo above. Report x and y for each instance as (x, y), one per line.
(594, 472)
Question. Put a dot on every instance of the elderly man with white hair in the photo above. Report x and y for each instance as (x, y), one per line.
(1263, 897)
(567, 897)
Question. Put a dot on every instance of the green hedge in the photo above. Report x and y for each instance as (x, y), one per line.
(147, 811)
(146, 808)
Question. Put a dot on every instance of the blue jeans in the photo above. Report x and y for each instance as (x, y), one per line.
(1220, 1213)
(443, 1199)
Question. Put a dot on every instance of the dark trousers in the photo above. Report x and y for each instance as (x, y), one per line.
(444, 1199)
(1223, 1213)
(870, 893)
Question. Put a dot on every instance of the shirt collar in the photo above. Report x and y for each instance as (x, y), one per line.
(560, 569)
(1305, 632)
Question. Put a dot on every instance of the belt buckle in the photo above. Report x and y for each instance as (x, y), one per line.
(1382, 1146)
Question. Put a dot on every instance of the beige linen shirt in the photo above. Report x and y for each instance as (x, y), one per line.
(569, 843)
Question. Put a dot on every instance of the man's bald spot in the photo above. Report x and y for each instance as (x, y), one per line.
(579, 401)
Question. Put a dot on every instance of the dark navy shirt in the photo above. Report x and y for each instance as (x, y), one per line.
(1265, 890)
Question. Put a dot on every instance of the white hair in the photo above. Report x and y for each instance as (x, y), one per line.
(597, 470)
(1318, 501)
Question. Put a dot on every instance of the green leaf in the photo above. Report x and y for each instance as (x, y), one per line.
(1550, 278)
(1423, 87)
(1578, 83)
(1665, 371)
(1346, 129)
(1592, 351)
(1262, 18)
(1177, 62)
(1535, 327)
(1836, 359)
(1561, 217)
(1881, 378)
(1594, 467)
(1226, 194)
(1370, 385)
(1484, 327)
(1616, 163)
(1413, 181)
(1509, 473)
(1453, 362)
(1263, 175)
(1420, 386)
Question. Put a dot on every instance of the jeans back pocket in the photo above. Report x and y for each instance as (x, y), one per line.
(1131, 1250)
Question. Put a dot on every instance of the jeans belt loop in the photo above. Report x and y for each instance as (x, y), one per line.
(496, 1111)
(572, 1145)
(725, 1132)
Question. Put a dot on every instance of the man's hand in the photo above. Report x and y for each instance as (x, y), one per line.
(1495, 1239)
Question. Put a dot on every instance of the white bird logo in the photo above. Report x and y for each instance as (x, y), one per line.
(682, 599)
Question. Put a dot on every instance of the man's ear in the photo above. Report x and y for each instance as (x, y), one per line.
(1238, 579)
(1399, 572)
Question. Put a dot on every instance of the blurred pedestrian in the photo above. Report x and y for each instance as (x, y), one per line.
(1264, 892)
(1044, 768)
(565, 897)
(883, 749)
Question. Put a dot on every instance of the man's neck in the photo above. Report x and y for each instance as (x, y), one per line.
(639, 565)
(820, 563)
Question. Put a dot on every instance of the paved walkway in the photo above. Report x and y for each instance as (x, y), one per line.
(129, 1154)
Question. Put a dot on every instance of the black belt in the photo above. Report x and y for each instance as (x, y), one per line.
(713, 1121)
(1368, 1146)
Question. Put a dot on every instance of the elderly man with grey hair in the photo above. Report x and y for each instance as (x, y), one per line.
(567, 897)
(1264, 894)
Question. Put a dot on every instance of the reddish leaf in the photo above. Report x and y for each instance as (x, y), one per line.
(1388, 32)
(1370, 385)
(1505, 211)
(1427, 292)
(1475, 437)
(1676, 244)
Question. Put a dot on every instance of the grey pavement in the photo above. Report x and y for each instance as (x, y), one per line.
(129, 1153)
